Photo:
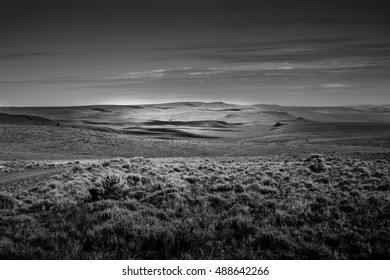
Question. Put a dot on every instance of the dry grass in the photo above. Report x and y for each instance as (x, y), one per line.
(296, 207)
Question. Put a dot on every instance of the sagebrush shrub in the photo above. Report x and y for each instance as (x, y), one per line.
(111, 186)
(6, 201)
(316, 163)
(364, 171)
(76, 169)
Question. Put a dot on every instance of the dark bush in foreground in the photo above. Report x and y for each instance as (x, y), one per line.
(254, 208)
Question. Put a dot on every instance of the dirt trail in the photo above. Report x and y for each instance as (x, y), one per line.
(12, 178)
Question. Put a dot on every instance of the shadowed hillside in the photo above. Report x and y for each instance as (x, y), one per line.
(25, 120)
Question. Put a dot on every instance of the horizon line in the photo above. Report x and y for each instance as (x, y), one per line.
(187, 102)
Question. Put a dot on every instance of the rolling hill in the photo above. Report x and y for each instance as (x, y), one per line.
(218, 122)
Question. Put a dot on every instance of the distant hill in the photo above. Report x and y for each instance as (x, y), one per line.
(197, 120)
(200, 111)
(25, 120)
(258, 117)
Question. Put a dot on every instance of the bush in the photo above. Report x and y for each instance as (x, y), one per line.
(76, 169)
(110, 187)
(6, 201)
(316, 163)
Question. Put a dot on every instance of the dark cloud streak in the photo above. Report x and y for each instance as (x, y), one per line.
(4, 56)
(311, 20)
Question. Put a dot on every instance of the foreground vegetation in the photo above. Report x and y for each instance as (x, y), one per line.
(297, 207)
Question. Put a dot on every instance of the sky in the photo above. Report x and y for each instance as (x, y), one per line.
(297, 52)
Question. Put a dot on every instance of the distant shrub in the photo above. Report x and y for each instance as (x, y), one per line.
(119, 160)
(139, 160)
(301, 190)
(6, 201)
(323, 180)
(379, 174)
(368, 187)
(364, 171)
(76, 169)
(126, 166)
(344, 187)
(219, 202)
(355, 193)
(191, 179)
(304, 170)
(308, 184)
(348, 208)
(384, 186)
(176, 183)
(316, 163)
(134, 179)
(219, 187)
(267, 190)
(53, 184)
(269, 182)
(314, 156)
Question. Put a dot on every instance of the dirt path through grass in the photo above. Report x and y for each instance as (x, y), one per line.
(12, 178)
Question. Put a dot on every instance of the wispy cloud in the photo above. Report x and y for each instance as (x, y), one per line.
(102, 85)
(51, 80)
(120, 80)
(153, 74)
(258, 45)
(335, 85)
(241, 68)
(22, 55)
(206, 72)
(267, 72)
(299, 54)
(350, 51)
